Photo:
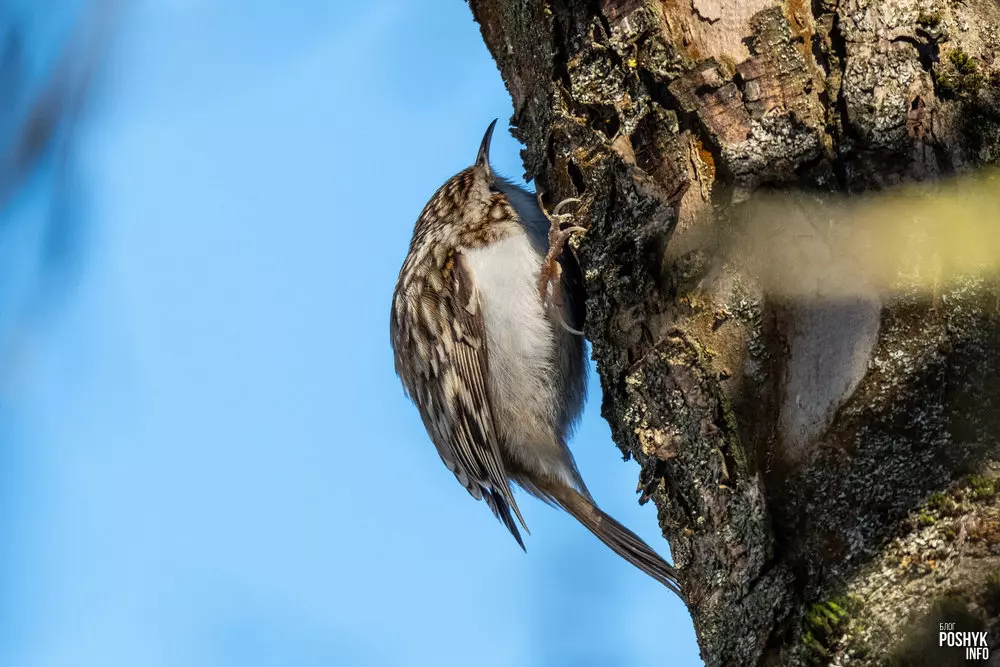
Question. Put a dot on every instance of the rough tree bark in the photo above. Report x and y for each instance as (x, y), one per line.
(823, 467)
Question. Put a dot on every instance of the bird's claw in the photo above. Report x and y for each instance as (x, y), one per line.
(559, 206)
(551, 270)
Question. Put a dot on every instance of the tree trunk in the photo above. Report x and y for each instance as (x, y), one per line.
(823, 461)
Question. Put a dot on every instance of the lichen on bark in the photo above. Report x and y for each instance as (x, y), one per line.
(787, 437)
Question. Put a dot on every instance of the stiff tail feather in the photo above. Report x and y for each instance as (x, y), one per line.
(620, 539)
(501, 510)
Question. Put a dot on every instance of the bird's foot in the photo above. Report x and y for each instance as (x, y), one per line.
(551, 270)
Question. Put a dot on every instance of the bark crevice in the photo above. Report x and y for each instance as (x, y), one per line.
(795, 443)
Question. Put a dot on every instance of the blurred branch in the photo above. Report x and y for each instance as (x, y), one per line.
(57, 103)
(39, 119)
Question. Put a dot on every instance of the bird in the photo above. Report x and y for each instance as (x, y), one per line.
(485, 329)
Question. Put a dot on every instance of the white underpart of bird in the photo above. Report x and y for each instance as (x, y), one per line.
(498, 377)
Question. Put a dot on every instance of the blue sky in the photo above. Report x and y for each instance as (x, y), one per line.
(206, 456)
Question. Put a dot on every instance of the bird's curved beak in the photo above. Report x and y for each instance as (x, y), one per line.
(483, 159)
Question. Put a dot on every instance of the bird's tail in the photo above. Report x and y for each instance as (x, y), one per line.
(620, 539)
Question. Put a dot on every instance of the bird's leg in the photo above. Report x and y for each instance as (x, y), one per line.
(551, 270)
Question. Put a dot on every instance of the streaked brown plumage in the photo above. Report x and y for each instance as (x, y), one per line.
(495, 366)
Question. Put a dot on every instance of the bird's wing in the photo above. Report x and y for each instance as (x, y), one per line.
(441, 356)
